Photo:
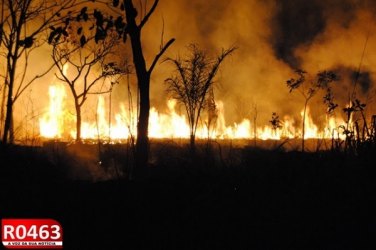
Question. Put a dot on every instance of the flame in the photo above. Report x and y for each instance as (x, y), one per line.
(102, 128)
(52, 123)
(171, 124)
(311, 130)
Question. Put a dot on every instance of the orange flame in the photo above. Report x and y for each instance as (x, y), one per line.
(170, 124)
(52, 123)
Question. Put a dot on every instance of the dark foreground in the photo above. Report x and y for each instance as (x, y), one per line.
(264, 200)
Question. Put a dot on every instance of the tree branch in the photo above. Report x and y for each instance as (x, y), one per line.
(145, 19)
(100, 92)
(157, 57)
(31, 81)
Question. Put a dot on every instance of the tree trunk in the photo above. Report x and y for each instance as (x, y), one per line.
(142, 143)
(8, 115)
(2, 112)
(12, 59)
(143, 78)
(78, 122)
(193, 143)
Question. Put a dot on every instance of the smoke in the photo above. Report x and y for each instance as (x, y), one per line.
(273, 37)
(251, 75)
(295, 23)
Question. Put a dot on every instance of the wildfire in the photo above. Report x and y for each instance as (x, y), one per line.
(52, 123)
(169, 124)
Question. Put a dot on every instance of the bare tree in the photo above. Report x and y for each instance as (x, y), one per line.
(22, 26)
(134, 21)
(308, 89)
(192, 81)
(89, 66)
(143, 74)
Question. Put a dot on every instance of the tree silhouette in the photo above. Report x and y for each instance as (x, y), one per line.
(143, 75)
(22, 26)
(126, 24)
(310, 88)
(192, 81)
(355, 106)
(89, 63)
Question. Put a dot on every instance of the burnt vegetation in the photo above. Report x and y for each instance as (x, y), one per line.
(142, 193)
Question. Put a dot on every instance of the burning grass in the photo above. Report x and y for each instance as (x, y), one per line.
(58, 123)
